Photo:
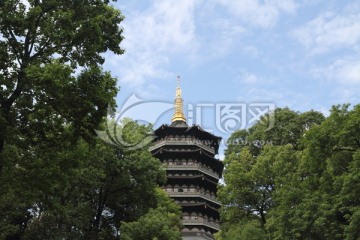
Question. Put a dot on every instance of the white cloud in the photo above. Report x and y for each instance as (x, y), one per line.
(136, 68)
(165, 26)
(345, 71)
(250, 78)
(223, 36)
(330, 31)
(152, 36)
(165, 32)
(254, 12)
(350, 72)
(261, 94)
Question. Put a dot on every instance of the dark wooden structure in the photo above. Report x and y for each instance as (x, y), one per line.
(188, 154)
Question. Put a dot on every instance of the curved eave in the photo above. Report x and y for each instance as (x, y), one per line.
(219, 165)
(201, 177)
(212, 226)
(194, 169)
(200, 206)
(214, 202)
(194, 130)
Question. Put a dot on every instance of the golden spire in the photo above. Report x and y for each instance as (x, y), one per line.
(178, 105)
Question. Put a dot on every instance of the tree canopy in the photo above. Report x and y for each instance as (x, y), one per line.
(50, 67)
(160, 223)
(57, 179)
(301, 185)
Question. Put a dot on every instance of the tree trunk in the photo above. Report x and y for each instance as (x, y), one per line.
(2, 139)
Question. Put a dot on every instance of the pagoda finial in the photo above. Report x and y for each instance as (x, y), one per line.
(178, 105)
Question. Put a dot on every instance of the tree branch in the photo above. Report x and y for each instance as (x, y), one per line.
(16, 93)
(337, 149)
(37, 23)
(12, 42)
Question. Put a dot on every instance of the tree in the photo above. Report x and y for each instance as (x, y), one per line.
(160, 223)
(259, 163)
(41, 47)
(324, 207)
(57, 181)
(251, 185)
(289, 128)
(81, 190)
(303, 190)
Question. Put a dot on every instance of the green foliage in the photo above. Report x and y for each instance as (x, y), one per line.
(57, 181)
(160, 223)
(288, 128)
(304, 186)
(78, 190)
(246, 230)
(50, 71)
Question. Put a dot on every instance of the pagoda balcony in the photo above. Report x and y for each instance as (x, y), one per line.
(201, 221)
(181, 142)
(188, 167)
(192, 234)
(204, 195)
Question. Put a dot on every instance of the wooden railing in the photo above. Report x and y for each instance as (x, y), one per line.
(191, 234)
(193, 194)
(190, 142)
(202, 221)
(192, 167)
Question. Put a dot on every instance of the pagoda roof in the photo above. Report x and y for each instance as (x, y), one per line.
(181, 128)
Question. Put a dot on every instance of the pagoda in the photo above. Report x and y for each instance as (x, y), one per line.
(193, 172)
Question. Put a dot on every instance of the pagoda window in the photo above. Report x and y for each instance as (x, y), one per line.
(180, 190)
(194, 216)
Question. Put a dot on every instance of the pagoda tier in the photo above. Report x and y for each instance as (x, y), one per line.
(187, 153)
(188, 135)
(193, 172)
(176, 156)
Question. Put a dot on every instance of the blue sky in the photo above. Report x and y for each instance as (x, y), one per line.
(301, 54)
